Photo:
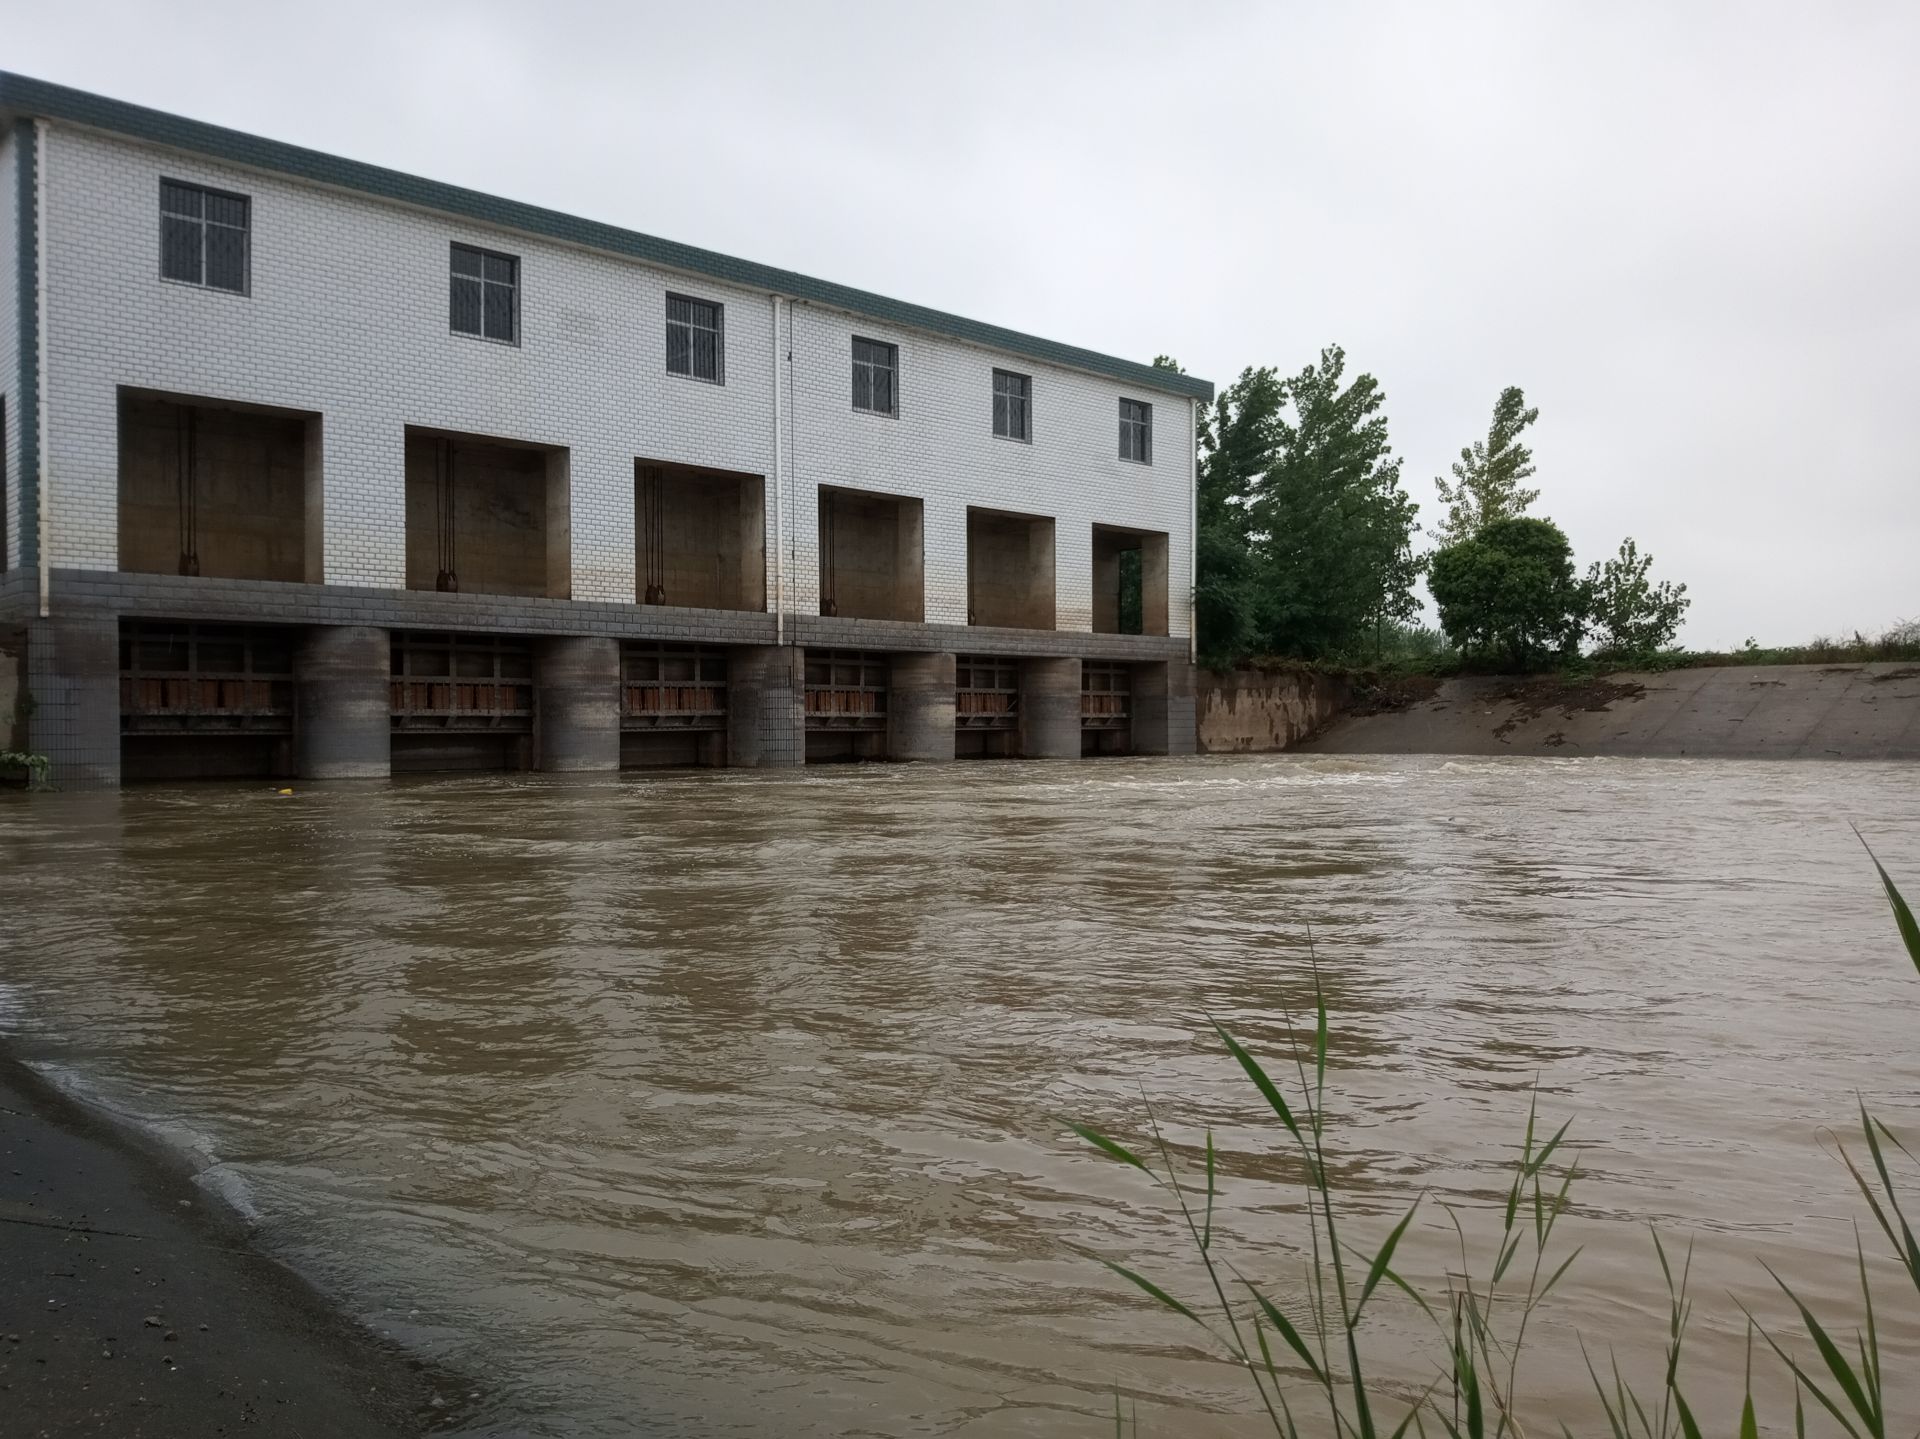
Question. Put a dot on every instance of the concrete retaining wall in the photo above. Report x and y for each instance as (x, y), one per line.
(1258, 711)
(1867, 711)
(13, 653)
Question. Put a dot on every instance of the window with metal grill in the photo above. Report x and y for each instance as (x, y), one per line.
(1136, 431)
(485, 297)
(876, 376)
(696, 339)
(204, 237)
(1012, 405)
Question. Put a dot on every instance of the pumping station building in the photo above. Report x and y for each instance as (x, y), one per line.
(317, 469)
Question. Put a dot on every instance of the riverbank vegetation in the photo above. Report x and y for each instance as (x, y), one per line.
(19, 766)
(1306, 541)
(1299, 1342)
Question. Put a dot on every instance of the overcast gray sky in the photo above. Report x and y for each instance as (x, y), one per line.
(1692, 233)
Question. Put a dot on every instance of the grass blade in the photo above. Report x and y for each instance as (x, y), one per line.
(1803, 1382)
(1687, 1425)
(1904, 1241)
(1835, 1361)
(1100, 1141)
(1284, 1328)
(1554, 1278)
(1869, 1344)
(1149, 1287)
(1206, 1233)
(1467, 1375)
(1259, 1077)
(1902, 916)
(1382, 1260)
(1749, 1424)
(1362, 1409)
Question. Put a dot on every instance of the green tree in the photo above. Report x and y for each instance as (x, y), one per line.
(1630, 614)
(1330, 527)
(1486, 479)
(1239, 442)
(1509, 592)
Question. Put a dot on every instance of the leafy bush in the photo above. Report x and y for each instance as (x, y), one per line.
(1629, 613)
(1510, 592)
(36, 766)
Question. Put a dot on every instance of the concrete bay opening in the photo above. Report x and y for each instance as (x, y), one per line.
(871, 556)
(1010, 570)
(487, 516)
(218, 489)
(1129, 581)
(699, 537)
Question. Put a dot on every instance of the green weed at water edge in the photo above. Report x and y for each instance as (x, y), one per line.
(1475, 1392)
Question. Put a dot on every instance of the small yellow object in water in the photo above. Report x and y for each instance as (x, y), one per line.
(286, 791)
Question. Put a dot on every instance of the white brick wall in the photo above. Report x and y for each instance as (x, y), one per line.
(348, 317)
(10, 342)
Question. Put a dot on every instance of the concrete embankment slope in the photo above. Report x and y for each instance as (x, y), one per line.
(1868, 711)
(132, 1306)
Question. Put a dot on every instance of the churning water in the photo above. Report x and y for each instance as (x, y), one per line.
(722, 1104)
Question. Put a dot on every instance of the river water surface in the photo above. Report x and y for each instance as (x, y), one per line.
(722, 1103)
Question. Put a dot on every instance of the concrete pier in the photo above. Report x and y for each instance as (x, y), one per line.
(73, 675)
(341, 678)
(1050, 709)
(1163, 718)
(577, 704)
(920, 707)
(766, 706)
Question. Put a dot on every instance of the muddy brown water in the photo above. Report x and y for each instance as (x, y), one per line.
(720, 1104)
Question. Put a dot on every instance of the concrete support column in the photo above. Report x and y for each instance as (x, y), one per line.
(341, 677)
(766, 706)
(1050, 709)
(920, 707)
(1163, 719)
(73, 679)
(577, 704)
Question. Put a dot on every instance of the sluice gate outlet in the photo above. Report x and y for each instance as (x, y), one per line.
(461, 702)
(673, 704)
(1106, 708)
(986, 707)
(846, 704)
(205, 700)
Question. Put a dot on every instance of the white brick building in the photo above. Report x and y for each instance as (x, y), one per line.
(269, 349)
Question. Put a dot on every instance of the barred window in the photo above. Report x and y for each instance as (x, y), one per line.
(876, 376)
(204, 237)
(485, 295)
(1012, 405)
(696, 339)
(1136, 431)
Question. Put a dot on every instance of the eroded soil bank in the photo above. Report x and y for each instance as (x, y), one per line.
(1866, 711)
